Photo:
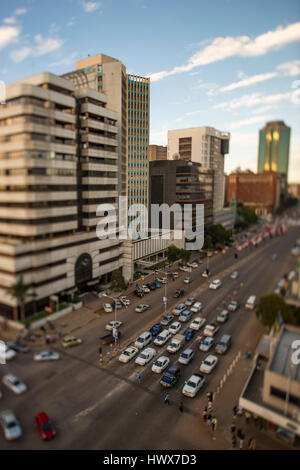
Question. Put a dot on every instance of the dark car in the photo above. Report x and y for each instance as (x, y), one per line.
(151, 286)
(189, 333)
(170, 378)
(155, 329)
(178, 293)
(44, 426)
(166, 320)
(139, 293)
(109, 338)
(18, 346)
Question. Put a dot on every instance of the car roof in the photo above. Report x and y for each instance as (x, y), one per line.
(187, 350)
(43, 416)
(211, 357)
(174, 368)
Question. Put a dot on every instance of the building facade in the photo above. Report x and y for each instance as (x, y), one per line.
(158, 152)
(294, 190)
(274, 147)
(204, 145)
(58, 162)
(259, 191)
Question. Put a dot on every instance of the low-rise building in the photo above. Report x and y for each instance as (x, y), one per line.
(158, 152)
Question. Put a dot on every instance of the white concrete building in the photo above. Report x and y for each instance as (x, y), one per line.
(207, 146)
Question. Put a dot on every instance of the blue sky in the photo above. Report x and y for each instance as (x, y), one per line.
(229, 64)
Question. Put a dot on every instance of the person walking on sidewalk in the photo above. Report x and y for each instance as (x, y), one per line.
(251, 444)
(233, 441)
(241, 437)
(232, 428)
(247, 417)
(167, 399)
(138, 377)
(214, 422)
(181, 406)
(204, 415)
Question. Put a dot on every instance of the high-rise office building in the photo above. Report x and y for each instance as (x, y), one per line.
(204, 145)
(129, 96)
(58, 162)
(158, 152)
(274, 145)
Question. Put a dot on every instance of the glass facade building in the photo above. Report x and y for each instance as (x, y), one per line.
(274, 146)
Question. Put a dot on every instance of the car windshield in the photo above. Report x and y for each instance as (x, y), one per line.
(47, 426)
(184, 355)
(127, 353)
(143, 356)
(191, 384)
(16, 381)
(208, 363)
(11, 424)
(159, 363)
(206, 341)
(160, 338)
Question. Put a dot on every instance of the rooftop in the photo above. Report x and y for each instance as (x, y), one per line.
(281, 361)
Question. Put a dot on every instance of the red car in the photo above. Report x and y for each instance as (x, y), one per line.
(44, 426)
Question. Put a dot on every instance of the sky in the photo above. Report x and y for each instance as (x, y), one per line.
(229, 64)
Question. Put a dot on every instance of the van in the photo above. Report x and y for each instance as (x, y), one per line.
(223, 345)
(250, 304)
(143, 340)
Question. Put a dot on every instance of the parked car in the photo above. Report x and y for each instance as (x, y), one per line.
(185, 316)
(175, 275)
(160, 364)
(46, 356)
(223, 316)
(197, 323)
(162, 338)
(18, 346)
(178, 293)
(206, 343)
(193, 385)
(189, 333)
(187, 280)
(196, 307)
(128, 354)
(175, 327)
(113, 324)
(146, 289)
(145, 356)
(205, 273)
(14, 384)
(125, 301)
(109, 338)
(233, 306)
(143, 340)
(208, 364)
(183, 268)
(10, 425)
(170, 377)
(215, 284)
(69, 341)
(139, 293)
(234, 275)
(186, 356)
(107, 308)
(142, 308)
(157, 285)
(118, 304)
(162, 280)
(6, 354)
(177, 310)
(44, 426)
(167, 319)
(190, 301)
(251, 302)
(156, 329)
(151, 286)
(211, 329)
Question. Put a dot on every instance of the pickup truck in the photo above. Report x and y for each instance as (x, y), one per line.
(211, 329)
(109, 338)
(176, 342)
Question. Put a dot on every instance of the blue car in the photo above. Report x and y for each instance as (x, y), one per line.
(118, 304)
(189, 333)
(156, 329)
(157, 284)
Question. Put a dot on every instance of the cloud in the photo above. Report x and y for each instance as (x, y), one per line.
(262, 109)
(8, 34)
(21, 11)
(89, 7)
(68, 60)
(46, 45)
(19, 55)
(249, 121)
(222, 48)
(9, 20)
(253, 99)
(249, 81)
(290, 69)
(71, 22)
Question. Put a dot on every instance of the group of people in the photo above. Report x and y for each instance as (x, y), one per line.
(50, 335)
(238, 433)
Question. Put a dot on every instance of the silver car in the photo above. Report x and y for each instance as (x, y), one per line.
(186, 356)
(10, 425)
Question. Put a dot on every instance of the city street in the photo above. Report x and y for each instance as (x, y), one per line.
(104, 407)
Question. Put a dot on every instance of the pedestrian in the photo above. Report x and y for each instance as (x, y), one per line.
(209, 396)
(233, 441)
(100, 351)
(209, 419)
(167, 399)
(214, 423)
(241, 437)
(239, 411)
(59, 332)
(181, 407)
(204, 415)
(251, 444)
(247, 417)
(232, 428)
(224, 304)
(234, 411)
(48, 339)
(138, 377)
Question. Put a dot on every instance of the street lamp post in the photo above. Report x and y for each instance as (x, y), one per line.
(105, 295)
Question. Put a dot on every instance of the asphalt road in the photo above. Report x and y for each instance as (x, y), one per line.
(104, 407)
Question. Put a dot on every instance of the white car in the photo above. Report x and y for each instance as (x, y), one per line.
(215, 284)
(146, 289)
(194, 265)
(204, 274)
(197, 323)
(184, 268)
(177, 310)
(187, 280)
(223, 316)
(190, 301)
(175, 327)
(186, 356)
(142, 308)
(108, 308)
(193, 385)
(14, 384)
(196, 307)
(113, 324)
(145, 356)
(124, 300)
(128, 354)
(46, 356)
(234, 275)
(206, 343)
(6, 354)
(143, 340)
(160, 364)
(162, 338)
(208, 364)
(211, 329)
(10, 425)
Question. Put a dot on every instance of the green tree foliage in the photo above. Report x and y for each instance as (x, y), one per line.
(175, 253)
(270, 307)
(217, 235)
(245, 217)
(20, 292)
(117, 280)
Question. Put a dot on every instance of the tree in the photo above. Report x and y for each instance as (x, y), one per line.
(218, 234)
(185, 255)
(173, 253)
(21, 293)
(270, 308)
(117, 280)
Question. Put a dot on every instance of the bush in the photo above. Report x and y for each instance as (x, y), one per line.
(118, 281)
